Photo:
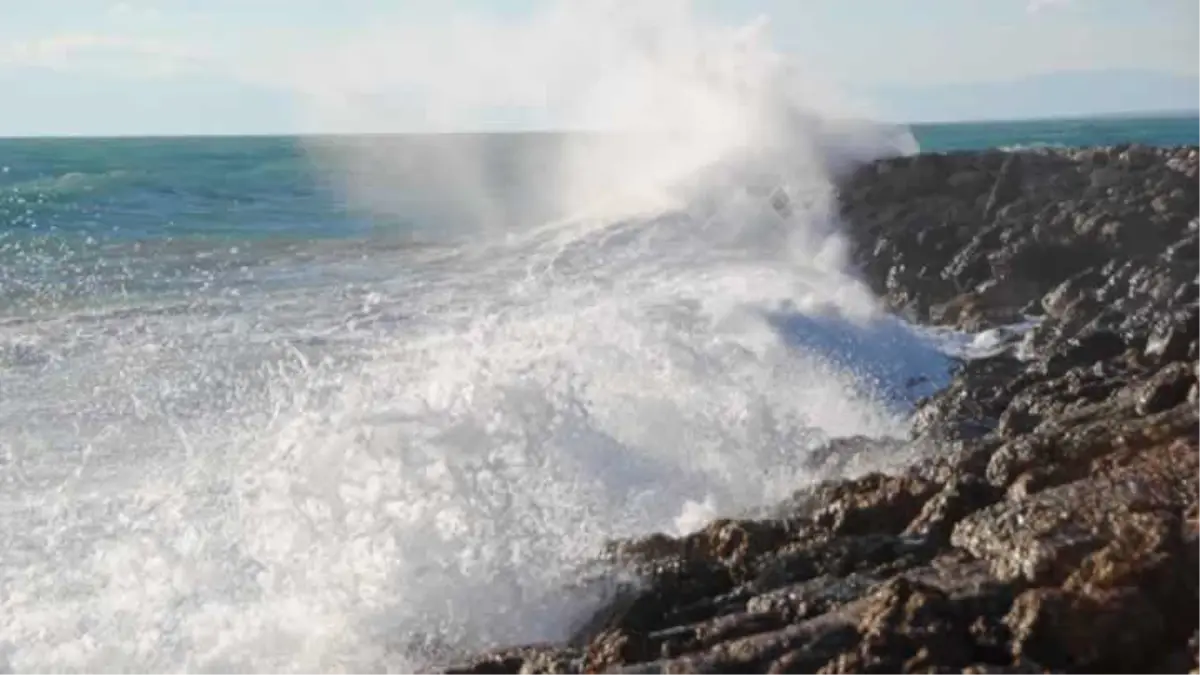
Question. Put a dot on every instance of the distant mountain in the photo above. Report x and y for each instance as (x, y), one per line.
(1065, 94)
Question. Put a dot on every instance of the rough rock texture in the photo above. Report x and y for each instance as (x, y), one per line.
(1056, 526)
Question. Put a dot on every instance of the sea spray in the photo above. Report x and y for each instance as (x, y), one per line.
(626, 369)
(409, 453)
(655, 94)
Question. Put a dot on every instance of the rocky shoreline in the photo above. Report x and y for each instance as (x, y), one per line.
(1053, 523)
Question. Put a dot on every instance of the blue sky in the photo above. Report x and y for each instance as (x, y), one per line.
(101, 67)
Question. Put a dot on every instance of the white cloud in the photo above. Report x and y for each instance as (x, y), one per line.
(132, 12)
(1036, 6)
(107, 52)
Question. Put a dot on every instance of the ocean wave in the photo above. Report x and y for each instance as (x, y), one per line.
(1033, 145)
(65, 184)
(400, 453)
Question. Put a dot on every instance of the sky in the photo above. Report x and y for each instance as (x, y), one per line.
(147, 67)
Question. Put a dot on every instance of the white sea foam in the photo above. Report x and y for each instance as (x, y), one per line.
(408, 454)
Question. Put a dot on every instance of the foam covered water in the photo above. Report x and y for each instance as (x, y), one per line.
(306, 455)
(326, 478)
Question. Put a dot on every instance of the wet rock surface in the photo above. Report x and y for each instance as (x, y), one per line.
(1052, 522)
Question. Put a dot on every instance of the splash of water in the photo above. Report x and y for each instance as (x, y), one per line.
(665, 95)
(597, 354)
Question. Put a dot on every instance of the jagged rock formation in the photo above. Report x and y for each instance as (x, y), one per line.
(1054, 528)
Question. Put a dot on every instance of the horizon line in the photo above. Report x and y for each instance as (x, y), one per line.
(1132, 114)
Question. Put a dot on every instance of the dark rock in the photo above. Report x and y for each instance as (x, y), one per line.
(940, 514)
(1086, 349)
(1171, 337)
(812, 597)
(1069, 293)
(907, 626)
(1043, 538)
(1117, 631)
(875, 504)
(967, 181)
(1107, 177)
(839, 557)
(971, 406)
(1006, 188)
(1167, 389)
(801, 646)
(1018, 419)
(1183, 251)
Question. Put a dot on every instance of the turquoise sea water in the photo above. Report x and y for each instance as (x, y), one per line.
(1155, 131)
(297, 404)
(263, 187)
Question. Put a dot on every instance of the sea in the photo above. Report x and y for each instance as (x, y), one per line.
(366, 403)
